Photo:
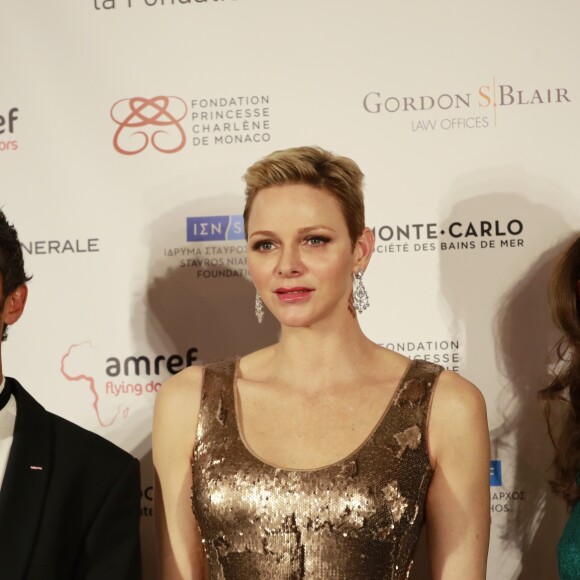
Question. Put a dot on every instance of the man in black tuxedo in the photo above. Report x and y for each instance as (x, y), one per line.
(69, 499)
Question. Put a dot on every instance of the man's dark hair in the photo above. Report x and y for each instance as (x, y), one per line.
(11, 263)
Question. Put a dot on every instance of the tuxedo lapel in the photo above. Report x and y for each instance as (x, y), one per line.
(25, 482)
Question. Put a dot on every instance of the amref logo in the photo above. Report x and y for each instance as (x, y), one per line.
(114, 382)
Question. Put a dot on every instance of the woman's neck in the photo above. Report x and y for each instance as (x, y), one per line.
(321, 356)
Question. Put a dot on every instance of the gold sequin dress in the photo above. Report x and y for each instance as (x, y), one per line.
(357, 519)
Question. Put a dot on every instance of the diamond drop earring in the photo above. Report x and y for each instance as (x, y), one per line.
(360, 298)
(259, 308)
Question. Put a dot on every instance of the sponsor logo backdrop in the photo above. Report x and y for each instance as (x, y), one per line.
(125, 126)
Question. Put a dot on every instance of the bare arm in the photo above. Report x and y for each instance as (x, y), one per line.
(179, 545)
(458, 505)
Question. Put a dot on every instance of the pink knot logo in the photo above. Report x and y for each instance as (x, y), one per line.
(143, 122)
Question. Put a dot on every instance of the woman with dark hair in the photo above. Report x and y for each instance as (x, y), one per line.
(320, 456)
(564, 391)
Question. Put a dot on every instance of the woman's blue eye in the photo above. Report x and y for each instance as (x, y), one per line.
(317, 240)
(263, 245)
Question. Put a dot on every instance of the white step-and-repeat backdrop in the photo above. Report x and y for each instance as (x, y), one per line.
(125, 127)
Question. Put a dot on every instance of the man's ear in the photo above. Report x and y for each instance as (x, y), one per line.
(14, 304)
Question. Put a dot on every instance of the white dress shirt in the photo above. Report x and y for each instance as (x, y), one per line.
(7, 421)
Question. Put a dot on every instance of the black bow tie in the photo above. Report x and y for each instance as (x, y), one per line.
(5, 395)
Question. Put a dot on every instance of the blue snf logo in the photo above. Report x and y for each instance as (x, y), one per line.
(495, 473)
(215, 228)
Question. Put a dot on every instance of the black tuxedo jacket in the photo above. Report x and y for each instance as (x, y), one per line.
(69, 502)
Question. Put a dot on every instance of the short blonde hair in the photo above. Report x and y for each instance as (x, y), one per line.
(339, 176)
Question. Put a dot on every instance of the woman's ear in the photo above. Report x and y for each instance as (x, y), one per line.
(364, 248)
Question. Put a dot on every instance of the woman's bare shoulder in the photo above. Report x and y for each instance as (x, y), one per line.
(458, 416)
(181, 388)
(456, 395)
(177, 407)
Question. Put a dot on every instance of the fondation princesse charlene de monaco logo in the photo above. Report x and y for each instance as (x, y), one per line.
(144, 123)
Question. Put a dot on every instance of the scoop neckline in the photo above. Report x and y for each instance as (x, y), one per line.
(349, 457)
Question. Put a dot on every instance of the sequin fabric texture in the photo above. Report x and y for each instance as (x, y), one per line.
(358, 519)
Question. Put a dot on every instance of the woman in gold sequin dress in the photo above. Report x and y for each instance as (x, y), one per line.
(321, 456)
